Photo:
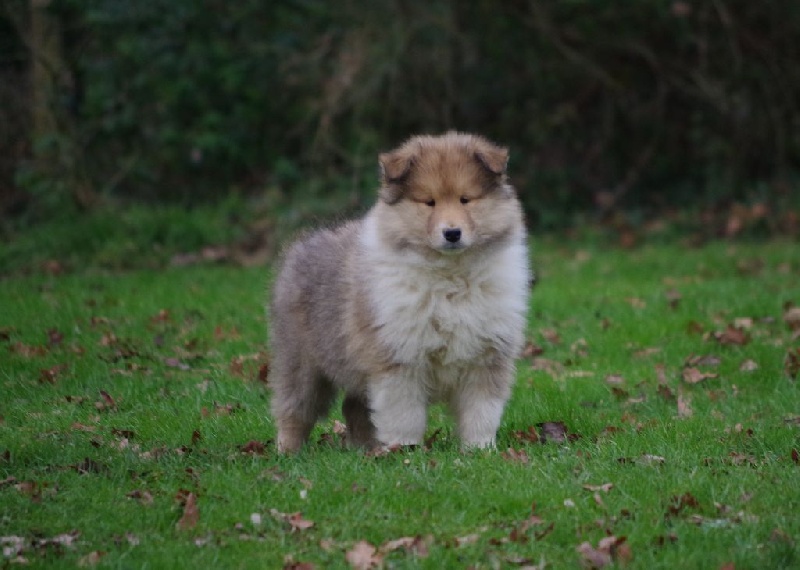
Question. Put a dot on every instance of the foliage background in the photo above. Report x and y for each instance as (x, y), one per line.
(606, 106)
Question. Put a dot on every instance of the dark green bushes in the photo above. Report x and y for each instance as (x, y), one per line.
(604, 104)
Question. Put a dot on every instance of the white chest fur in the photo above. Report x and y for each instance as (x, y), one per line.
(451, 310)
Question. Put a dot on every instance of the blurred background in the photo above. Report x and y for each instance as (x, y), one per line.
(629, 114)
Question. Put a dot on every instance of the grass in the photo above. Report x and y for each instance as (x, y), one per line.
(125, 392)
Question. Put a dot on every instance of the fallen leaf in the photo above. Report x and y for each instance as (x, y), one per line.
(748, 366)
(695, 376)
(679, 503)
(363, 556)
(298, 566)
(175, 363)
(468, 539)
(144, 497)
(665, 392)
(555, 432)
(107, 401)
(684, 406)
(91, 559)
(552, 367)
(615, 380)
(295, 520)
(605, 487)
(795, 456)
(528, 435)
(191, 514)
(649, 459)
(514, 455)
(703, 360)
(593, 557)
(732, 336)
(531, 349)
(551, 336)
(792, 318)
(253, 447)
(636, 303)
(645, 352)
(673, 298)
(416, 545)
(28, 351)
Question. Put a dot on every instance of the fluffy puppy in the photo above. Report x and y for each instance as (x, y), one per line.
(422, 300)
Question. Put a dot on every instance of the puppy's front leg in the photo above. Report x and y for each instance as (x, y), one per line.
(399, 407)
(478, 404)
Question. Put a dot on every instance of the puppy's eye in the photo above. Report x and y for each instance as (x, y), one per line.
(464, 200)
(430, 203)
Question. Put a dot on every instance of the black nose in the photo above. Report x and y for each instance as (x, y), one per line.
(452, 235)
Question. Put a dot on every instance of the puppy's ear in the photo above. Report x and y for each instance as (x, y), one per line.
(394, 167)
(492, 158)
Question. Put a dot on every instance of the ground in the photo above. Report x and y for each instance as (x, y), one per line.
(655, 423)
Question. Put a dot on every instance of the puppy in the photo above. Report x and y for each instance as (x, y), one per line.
(422, 300)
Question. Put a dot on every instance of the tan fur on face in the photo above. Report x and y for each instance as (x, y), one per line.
(395, 314)
(426, 180)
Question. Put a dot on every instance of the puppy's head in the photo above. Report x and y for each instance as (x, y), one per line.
(447, 193)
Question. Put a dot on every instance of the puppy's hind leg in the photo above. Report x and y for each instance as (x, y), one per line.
(300, 396)
(360, 431)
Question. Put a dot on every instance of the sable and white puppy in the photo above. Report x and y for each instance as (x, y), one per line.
(422, 300)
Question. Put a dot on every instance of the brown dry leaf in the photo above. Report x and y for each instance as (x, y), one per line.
(732, 336)
(291, 565)
(191, 514)
(610, 549)
(695, 376)
(592, 557)
(795, 456)
(552, 367)
(673, 298)
(363, 556)
(792, 318)
(514, 455)
(748, 366)
(531, 349)
(605, 487)
(703, 360)
(555, 432)
(636, 303)
(50, 375)
(295, 520)
(468, 539)
(528, 435)
(649, 459)
(27, 351)
(551, 336)
(685, 406)
(665, 392)
(91, 559)
(646, 352)
(417, 545)
(253, 447)
(107, 401)
(144, 497)
(615, 380)
(679, 503)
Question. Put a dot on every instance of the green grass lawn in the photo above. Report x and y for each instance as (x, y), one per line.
(134, 427)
